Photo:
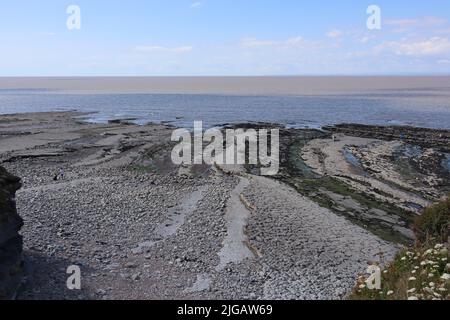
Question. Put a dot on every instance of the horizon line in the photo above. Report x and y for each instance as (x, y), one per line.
(234, 76)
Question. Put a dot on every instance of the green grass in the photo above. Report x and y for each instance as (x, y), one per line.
(434, 222)
(421, 272)
(415, 274)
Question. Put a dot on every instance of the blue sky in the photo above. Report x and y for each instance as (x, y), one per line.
(223, 37)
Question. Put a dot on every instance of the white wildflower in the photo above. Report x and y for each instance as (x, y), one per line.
(390, 292)
(412, 279)
(428, 290)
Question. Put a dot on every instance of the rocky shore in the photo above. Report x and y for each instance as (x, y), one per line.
(376, 182)
(417, 136)
(141, 227)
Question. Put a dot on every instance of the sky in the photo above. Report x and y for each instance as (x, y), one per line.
(223, 38)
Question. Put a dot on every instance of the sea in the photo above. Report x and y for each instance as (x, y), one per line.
(420, 107)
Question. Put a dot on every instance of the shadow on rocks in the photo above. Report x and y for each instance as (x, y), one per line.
(46, 279)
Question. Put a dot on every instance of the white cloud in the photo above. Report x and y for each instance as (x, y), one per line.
(161, 49)
(333, 34)
(444, 61)
(425, 21)
(253, 42)
(443, 31)
(406, 25)
(196, 4)
(401, 22)
(429, 47)
(295, 41)
(365, 39)
(283, 44)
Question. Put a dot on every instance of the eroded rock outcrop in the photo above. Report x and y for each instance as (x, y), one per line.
(419, 136)
(10, 240)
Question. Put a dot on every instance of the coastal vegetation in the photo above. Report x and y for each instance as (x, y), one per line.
(421, 272)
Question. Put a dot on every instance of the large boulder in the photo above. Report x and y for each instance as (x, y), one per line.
(10, 240)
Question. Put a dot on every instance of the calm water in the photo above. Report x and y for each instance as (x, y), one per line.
(423, 109)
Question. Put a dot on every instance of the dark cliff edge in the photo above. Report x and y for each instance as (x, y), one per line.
(10, 240)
